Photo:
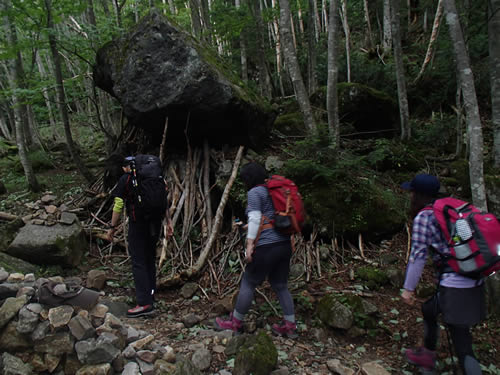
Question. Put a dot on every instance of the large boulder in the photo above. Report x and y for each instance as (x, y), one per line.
(157, 71)
(58, 244)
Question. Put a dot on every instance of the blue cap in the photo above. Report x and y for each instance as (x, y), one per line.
(423, 183)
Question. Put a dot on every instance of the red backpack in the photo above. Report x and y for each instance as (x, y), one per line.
(288, 206)
(473, 237)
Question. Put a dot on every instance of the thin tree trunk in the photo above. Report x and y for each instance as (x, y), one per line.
(264, 77)
(279, 63)
(299, 15)
(195, 17)
(331, 89)
(17, 77)
(293, 66)
(347, 32)
(387, 42)
(61, 96)
(369, 35)
(91, 13)
(494, 47)
(206, 24)
(46, 97)
(474, 128)
(4, 128)
(243, 51)
(404, 112)
(312, 55)
(118, 11)
(432, 41)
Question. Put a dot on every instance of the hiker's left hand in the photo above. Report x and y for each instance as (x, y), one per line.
(408, 297)
(169, 229)
(110, 234)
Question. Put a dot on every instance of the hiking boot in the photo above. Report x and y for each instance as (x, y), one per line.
(422, 357)
(286, 329)
(140, 311)
(232, 324)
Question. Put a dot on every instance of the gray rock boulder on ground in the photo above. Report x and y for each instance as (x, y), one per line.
(58, 244)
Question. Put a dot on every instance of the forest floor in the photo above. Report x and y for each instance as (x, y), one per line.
(400, 325)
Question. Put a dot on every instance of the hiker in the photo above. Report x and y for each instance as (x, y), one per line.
(267, 254)
(459, 299)
(143, 234)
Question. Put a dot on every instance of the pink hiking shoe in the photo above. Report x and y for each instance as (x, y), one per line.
(286, 329)
(232, 324)
(422, 357)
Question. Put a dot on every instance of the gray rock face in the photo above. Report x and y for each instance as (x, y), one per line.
(157, 70)
(94, 351)
(202, 359)
(28, 318)
(57, 244)
(10, 308)
(12, 365)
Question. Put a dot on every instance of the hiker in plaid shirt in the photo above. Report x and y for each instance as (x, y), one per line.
(459, 299)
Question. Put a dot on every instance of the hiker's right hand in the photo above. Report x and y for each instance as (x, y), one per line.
(110, 234)
(248, 255)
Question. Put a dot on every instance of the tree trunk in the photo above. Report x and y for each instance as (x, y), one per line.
(369, 36)
(61, 96)
(17, 79)
(387, 42)
(312, 55)
(331, 88)
(494, 47)
(347, 32)
(195, 17)
(293, 66)
(404, 112)
(264, 77)
(243, 51)
(206, 24)
(91, 13)
(474, 129)
(279, 62)
(118, 11)
(432, 41)
(47, 99)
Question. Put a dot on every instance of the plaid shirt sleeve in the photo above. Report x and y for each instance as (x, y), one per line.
(422, 237)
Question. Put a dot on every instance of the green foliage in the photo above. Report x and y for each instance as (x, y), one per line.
(391, 154)
(438, 131)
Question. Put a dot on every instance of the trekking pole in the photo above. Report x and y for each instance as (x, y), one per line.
(450, 349)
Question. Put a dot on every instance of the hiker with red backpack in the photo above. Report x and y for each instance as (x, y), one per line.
(459, 298)
(142, 189)
(267, 253)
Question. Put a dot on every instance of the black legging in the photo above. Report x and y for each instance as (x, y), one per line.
(460, 336)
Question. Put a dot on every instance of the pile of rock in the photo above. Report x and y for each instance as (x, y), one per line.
(69, 340)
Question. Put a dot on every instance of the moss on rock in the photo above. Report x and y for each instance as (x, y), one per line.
(257, 356)
(373, 277)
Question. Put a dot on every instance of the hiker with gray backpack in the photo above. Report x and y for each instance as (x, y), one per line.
(464, 244)
(142, 190)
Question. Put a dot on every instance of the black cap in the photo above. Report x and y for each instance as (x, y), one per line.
(423, 183)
